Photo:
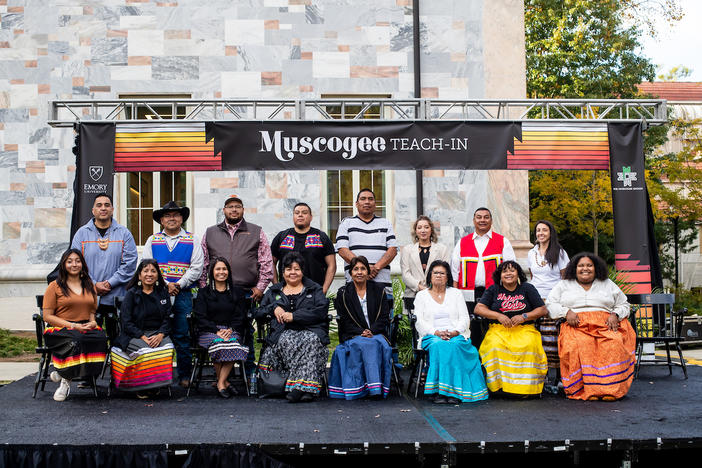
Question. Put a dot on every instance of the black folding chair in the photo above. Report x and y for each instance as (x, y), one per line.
(420, 357)
(202, 361)
(656, 321)
(45, 354)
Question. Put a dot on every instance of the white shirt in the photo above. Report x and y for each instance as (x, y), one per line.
(364, 306)
(442, 320)
(480, 243)
(545, 277)
(602, 295)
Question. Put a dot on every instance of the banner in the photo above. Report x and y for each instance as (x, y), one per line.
(94, 169)
(636, 253)
(307, 145)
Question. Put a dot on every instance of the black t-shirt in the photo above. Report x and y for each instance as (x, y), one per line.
(522, 300)
(314, 246)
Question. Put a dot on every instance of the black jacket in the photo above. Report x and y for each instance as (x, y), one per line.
(311, 311)
(133, 311)
(208, 313)
(352, 322)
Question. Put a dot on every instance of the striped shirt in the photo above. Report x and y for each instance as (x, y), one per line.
(370, 239)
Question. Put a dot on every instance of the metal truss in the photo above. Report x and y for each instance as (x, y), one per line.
(67, 113)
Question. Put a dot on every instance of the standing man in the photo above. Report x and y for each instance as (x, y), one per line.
(475, 258)
(368, 235)
(111, 256)
(246, 248)
(314, 246)
(179, 256)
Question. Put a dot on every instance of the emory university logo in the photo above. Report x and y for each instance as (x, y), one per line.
(626, 176)
(95, 172)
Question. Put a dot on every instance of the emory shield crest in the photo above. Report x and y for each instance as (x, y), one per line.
(95, 172)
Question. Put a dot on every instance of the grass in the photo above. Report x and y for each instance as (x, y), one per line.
(12, 345)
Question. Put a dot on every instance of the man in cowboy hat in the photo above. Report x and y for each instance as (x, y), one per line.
(180, 258)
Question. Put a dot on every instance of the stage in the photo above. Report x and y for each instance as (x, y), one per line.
(660, 416)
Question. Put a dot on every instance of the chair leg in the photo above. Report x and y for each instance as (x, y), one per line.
(93, 384)
(196, 367)
(412, 375)
(45, 371)
(670, 362)
(107, 363)
(682, 360)
(397, 380)
(417, 383)
(639, 352)
(37, 380)
(242, 369)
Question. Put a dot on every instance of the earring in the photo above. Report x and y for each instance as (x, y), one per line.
(518, 282)
(139, 283)
(157, 283)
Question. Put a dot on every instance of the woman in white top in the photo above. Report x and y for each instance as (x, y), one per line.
(547, 262)
(414, 258)
(596, 344)
(454, 374)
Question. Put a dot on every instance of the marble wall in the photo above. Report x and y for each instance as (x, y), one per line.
(57, 49)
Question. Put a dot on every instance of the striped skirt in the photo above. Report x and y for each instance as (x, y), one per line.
(454, 369)
(595, 361)
(361, 366)
(142, 367)
(302, 355)
(221, 350)
(514, 359)
(76, 354)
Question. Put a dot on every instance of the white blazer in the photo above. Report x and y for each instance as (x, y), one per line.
(425, 307)
(412, 272)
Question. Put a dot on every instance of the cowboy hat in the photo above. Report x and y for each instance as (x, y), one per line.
(171, 206)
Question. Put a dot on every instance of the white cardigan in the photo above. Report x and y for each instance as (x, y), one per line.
(602, 295)
(425, 306)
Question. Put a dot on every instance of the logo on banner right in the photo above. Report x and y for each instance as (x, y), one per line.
(626, 176)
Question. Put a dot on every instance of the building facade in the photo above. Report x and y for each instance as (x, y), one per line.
(256, 49)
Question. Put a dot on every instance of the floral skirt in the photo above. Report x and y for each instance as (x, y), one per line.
(302, 356)
(221, 350)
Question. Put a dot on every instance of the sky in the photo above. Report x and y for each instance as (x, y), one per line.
(679, 44)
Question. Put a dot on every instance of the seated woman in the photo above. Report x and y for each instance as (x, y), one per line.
(78, 345)
(297, 344)
(220, 314)
(597, 336)
(454, 374)
(512, 353)
(142, 358)
(361, 364)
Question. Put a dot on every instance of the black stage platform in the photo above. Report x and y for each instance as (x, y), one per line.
(660, 419)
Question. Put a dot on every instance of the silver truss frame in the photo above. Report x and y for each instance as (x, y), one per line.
(65, 113)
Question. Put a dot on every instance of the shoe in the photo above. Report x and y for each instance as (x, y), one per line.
(84, 385)
(453, 401)
(55, 377)
(142, 396)
(63, 390)
(185, 383)
(232, 391)
(440, 400)
(294, 396)
(608, 398)
(223, 393)
(306, 397)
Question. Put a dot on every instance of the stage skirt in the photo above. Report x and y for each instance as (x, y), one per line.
(596, 362)
(454, 369)
(76, 354)
(549, 340)
(514, 359)
(361, 366)
(221, 350)
(301, 355)
(142, 367)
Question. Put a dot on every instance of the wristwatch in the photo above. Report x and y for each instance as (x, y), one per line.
(524, 315)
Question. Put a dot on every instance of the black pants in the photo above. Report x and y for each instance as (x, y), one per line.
(476, 323)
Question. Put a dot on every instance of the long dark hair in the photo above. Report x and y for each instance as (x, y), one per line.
(497, 274)
(447, 267)
(134, 282)
(210, 273)
(85, 282)
(601, 272)
(553, 251)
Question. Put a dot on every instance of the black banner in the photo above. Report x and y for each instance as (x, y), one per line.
(636, 251)
(304, 145)
(94, 168)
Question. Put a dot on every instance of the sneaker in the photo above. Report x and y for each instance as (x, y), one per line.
(55, 377)
(63, 390)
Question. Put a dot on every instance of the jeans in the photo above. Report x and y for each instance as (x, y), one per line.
(180, 333)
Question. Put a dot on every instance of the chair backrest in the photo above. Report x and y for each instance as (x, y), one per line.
(39, 321)
(653, 316)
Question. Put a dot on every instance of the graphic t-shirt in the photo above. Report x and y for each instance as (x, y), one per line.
(314, 246)
(523, 299)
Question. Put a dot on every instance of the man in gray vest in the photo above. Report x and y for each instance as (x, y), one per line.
(246, 248)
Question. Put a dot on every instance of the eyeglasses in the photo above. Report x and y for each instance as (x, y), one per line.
(438, 273)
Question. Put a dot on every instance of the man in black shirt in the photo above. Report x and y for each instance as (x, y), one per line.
(314, 246)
